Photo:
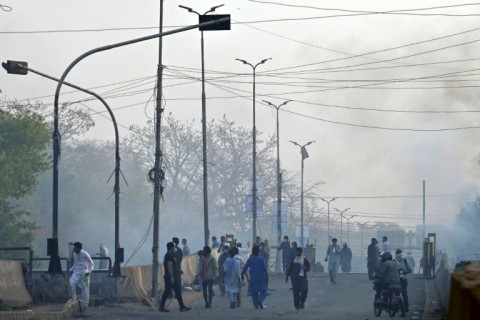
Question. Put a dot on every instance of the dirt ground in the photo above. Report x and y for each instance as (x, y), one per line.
(351, 298)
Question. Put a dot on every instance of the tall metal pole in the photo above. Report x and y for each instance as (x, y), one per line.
(341, 222)
(304, 153)
(361, 225)
(254, 153)
(348, 227)
(157, 166)
(279, 175)
(206, 230)
(116, 272)
(56, 140)
(424, 204)
(328, 218)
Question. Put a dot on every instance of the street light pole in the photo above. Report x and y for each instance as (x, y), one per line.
(156, 169)
(279, 177)
(328, 218)
(54, 264)
(204, 130)
(254, 133)
(304, 153)
(341, 222)
(348, 228)
(361, 226)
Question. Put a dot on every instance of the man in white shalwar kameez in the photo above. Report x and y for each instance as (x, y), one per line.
(80, 273)
(232, 277)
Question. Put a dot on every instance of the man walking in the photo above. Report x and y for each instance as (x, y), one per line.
(403, 269)
(207, 271)
(333, 258)
(232, 277)
(258, 269)
(346, 258)
(81, 270)
(372, 257)
(285, 247)
(172, 279)
(297, 271)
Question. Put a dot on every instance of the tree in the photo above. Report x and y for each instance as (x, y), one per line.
(467, 237)
(229, 168)
(24, 137)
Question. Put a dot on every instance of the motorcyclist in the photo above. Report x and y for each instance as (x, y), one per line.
(386, 274)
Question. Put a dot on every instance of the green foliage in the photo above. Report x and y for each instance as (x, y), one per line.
(23, 141)
(24, 137)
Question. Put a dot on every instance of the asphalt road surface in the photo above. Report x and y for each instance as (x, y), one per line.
(350, 298)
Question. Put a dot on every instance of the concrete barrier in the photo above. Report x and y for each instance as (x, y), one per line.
(138, 279)
(464, 302)
(12, 284)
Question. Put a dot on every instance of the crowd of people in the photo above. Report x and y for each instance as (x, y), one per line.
(226, 263)
(229, 264)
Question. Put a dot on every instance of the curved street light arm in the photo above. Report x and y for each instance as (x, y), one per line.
(214, 8)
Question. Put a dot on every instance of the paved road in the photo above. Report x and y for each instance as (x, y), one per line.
(350, 298)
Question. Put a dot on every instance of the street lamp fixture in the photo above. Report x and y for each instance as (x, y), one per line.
(362, 226)
(254, 133)
(304, 153)
(328, 217)
(341, 221)
(204, 129)
(348, 227)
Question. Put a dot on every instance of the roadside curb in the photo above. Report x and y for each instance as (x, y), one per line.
(71, 307)
(433, 308)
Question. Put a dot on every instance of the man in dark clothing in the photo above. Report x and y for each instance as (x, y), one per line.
(285, 247)
(346, 258)
(178, 253)
(297, 271)
(172, 279)
(372, 257)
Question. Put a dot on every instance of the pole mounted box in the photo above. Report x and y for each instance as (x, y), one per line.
(224, 25)
(14, 67)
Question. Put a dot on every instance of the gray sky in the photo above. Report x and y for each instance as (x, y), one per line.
(419, 60)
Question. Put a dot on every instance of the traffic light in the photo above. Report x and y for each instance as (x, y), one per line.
(224, 25)
(15, 67)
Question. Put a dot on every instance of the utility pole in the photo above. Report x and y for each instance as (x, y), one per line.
(157, 170)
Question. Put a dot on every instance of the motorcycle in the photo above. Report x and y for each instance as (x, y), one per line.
(391, 302)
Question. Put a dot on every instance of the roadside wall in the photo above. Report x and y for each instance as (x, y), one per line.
(12, 284)
(442, 282)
